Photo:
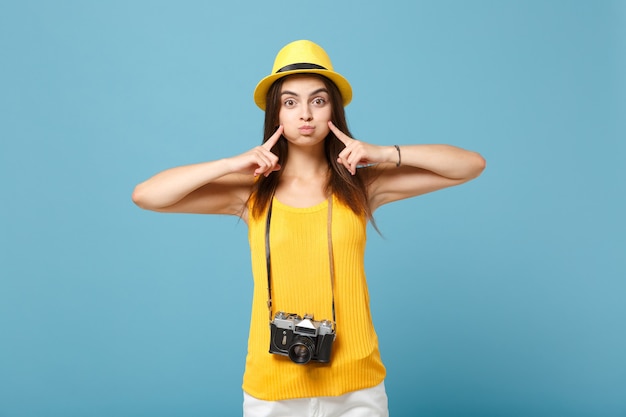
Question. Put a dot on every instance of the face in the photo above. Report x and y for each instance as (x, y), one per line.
(305, 110)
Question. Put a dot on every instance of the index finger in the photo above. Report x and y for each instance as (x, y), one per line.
(345, 139)
(269, 144)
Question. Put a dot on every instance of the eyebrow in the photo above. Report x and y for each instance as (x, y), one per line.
(291, 93)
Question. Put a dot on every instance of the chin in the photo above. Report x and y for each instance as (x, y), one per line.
(305, 140)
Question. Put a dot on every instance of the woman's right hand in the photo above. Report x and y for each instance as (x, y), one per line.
(214, 187)
(259, 160)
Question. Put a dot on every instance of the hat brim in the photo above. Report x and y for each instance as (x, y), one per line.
(260, 92)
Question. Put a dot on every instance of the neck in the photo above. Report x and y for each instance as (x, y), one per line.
(306, 161)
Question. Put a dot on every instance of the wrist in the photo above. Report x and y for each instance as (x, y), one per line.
(396, 155)
(227, 165)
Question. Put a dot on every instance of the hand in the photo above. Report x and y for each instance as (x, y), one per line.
(356, 153)
(259, 160)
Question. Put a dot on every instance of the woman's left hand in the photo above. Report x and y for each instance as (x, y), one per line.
(357, 153)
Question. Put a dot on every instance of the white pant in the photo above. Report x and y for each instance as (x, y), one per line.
(369, 402)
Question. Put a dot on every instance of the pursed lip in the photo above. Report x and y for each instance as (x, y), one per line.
(306, 128)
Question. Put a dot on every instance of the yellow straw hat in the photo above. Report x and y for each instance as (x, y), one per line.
(302, 57)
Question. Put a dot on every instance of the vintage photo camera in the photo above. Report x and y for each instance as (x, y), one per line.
(302, 339)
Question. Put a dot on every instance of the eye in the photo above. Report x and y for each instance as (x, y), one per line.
(289, 103)
(319, 101)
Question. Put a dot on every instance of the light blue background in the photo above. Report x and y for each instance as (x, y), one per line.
(502, 297)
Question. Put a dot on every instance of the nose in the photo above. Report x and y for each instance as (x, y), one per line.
(307, 115)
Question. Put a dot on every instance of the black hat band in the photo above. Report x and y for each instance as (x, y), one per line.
(300, 66)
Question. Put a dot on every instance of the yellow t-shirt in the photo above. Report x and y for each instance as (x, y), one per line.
(301, 284)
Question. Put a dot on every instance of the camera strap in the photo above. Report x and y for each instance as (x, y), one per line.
(268, 259)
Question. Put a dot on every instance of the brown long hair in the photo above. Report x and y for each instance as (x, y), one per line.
(349, 189)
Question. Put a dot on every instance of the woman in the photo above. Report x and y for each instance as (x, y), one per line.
(306, 194)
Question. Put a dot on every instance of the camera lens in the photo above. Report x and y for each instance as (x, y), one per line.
(301, 350)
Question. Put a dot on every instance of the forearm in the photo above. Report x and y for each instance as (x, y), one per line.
(172, 185)
(444, 160)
